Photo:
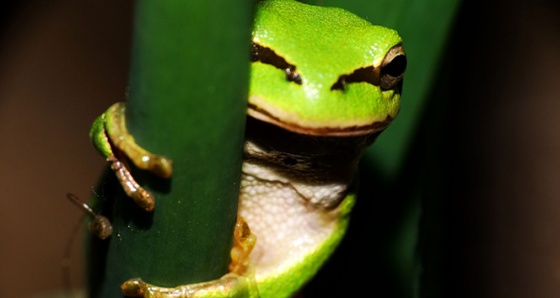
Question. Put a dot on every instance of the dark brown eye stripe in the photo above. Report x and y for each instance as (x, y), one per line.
(387, 76)
(268, 56)
(364, 74)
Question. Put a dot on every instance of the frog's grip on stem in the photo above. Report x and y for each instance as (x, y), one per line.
(239, 282)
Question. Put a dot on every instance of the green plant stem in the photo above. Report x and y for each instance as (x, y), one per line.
(188, 85)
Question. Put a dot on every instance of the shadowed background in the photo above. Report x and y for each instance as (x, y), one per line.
(62, 63)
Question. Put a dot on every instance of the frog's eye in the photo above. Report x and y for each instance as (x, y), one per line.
(387, 76)
(268, 56)
(392, 68)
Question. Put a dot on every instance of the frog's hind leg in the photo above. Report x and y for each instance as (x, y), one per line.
(239, 282)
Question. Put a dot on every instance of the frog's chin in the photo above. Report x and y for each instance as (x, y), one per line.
(319, 130)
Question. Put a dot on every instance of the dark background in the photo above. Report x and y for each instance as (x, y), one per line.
(61, 64)
(500, 151)
(493, 133)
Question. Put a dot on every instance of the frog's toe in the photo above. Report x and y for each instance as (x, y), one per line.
(142, 197)
(134, 287)
(160, 166)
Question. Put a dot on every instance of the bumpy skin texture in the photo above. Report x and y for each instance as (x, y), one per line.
(296, 196)
(324, 84)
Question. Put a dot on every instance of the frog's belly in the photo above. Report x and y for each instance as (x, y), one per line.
(288, 228)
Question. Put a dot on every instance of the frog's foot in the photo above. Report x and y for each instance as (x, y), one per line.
(112, 139)
(238, 283)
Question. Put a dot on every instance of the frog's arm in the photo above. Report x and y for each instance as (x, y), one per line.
(111, 138)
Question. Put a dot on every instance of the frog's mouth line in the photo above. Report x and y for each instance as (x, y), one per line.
(372, 128)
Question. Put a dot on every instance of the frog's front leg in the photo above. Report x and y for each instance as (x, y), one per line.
(239, 282)
(112, 139)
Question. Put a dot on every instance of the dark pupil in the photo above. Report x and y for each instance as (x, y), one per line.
(396, 67)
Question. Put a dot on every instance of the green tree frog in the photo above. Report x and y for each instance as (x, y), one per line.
(324, 83)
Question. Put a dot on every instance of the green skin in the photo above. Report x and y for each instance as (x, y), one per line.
(321, 78)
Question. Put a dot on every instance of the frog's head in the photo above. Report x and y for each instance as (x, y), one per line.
(324, 71)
